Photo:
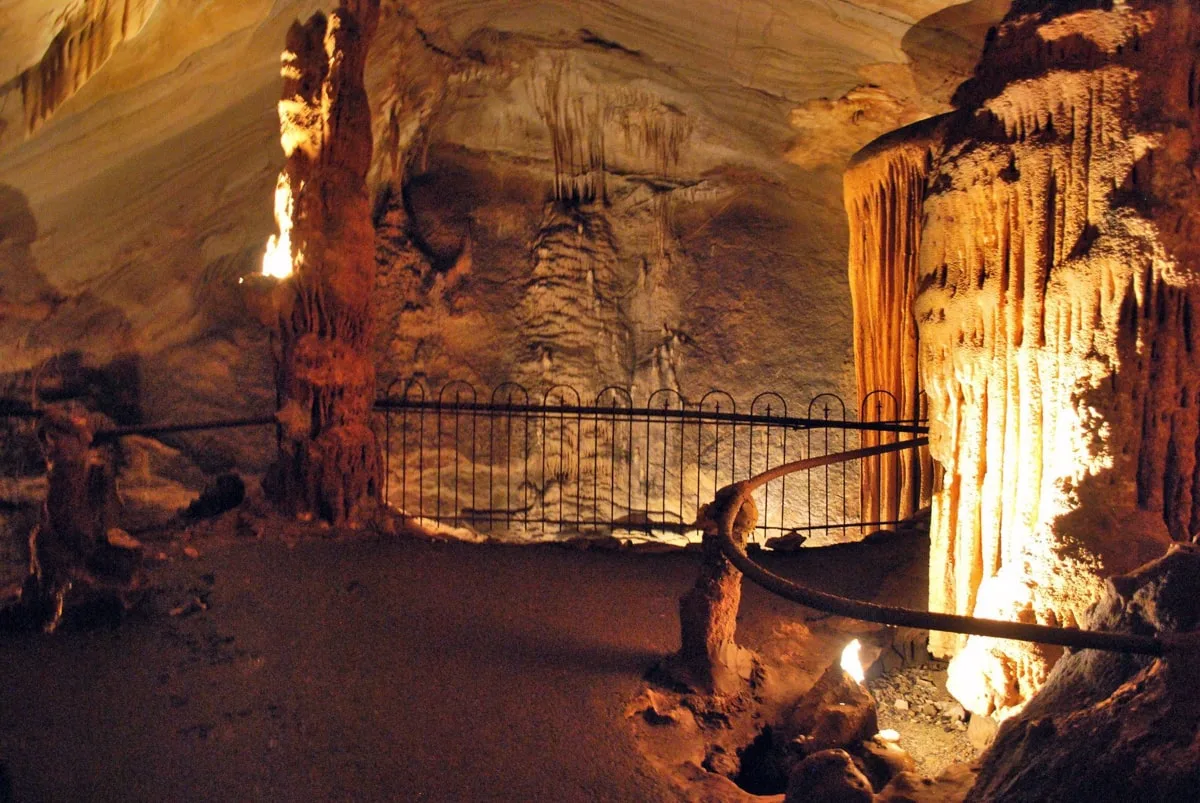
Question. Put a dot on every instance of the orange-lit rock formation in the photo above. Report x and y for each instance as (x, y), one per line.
(1055, 282)
(329, 459)
(884, 188)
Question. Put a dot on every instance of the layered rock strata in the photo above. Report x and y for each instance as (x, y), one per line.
(1055, 278)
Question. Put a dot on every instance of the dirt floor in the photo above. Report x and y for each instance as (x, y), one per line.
(373, 669)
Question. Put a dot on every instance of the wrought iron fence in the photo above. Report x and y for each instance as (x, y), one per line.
(557, 463)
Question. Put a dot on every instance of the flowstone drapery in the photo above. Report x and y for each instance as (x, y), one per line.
(1045, 230)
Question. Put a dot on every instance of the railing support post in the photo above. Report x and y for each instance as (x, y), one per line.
(709, 659)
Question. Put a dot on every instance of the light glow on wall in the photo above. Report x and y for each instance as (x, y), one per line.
(278, 261)
(851, 663)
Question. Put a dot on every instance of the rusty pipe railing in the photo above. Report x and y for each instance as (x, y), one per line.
(1157, 645)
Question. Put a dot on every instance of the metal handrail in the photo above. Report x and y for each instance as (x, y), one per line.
(898, 426)
(1157, 645)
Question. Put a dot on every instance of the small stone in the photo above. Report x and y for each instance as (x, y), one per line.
(193, 605)
(929, 709)
(720, 762)
(900, 704)
(882, 761)
(955, 713)
(981, 731)
(191, 552)
(888, 735)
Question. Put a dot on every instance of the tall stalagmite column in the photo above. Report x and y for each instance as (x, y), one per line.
(1058, 289)
(329, 464)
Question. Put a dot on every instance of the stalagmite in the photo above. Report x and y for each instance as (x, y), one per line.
(709, 658)
(329, 459)
(1056, 292)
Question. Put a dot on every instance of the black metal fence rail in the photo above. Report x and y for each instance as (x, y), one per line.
(556, 463)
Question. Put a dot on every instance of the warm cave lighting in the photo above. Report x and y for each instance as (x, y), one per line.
(278, 261)
(851, 664)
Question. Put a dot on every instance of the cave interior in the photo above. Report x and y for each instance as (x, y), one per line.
(454, 399)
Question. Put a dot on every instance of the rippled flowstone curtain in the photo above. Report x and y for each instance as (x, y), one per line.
(1054, 293)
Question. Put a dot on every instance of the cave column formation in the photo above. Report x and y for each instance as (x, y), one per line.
(328, 466)
(1053, 218)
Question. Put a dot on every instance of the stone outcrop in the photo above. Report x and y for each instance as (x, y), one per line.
(709, 659)
(1112, 727)
(329, 466)
(1054, 293)
(829, 776)
(837, 712)
(77, 540)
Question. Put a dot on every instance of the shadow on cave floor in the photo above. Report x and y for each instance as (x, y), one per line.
(371, 669)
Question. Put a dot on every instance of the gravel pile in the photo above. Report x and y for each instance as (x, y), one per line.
(932, 725)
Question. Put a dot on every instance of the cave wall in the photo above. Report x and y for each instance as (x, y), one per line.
(1056, 278)
(88, 35)
(630, 193)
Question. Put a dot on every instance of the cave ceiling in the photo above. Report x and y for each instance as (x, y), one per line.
(139, 152)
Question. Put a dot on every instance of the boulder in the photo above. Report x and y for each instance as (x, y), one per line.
(1108, 726)
(828, 776)
(837, 712)
(881, 761)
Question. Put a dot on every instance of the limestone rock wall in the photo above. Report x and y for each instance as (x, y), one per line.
(1057, 289)
(706, 139)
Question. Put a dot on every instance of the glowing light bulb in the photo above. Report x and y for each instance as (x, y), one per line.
(851, 664)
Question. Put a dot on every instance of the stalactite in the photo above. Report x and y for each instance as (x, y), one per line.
(88, 35)
(1054, 315)
(575, 122)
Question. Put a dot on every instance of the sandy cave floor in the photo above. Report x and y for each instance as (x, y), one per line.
(374, 669)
